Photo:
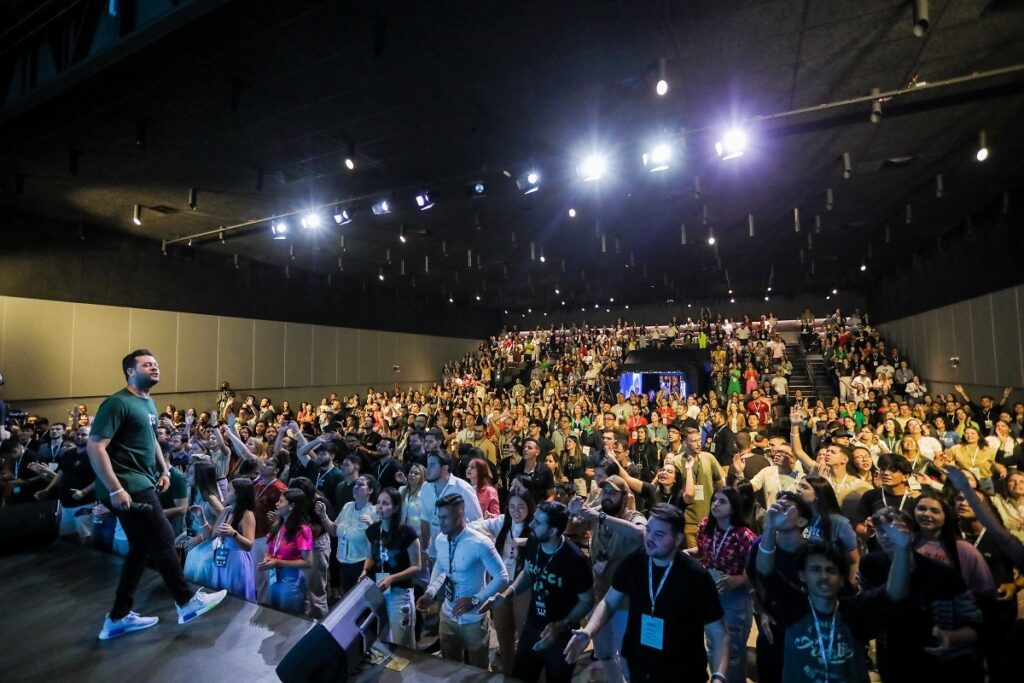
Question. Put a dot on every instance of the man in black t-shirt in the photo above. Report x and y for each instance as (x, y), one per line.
(672, 603)
(542, 480)
(560, 580)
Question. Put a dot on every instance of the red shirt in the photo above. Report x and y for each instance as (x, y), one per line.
(762, 409)
(731, 557)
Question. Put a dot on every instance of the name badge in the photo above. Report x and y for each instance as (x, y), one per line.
(914, 484)
(271, 577)
(448, 590)
(713, 447)
(652, 631)
(510, 567)
(220, 557)
(342, 546)
(377, 577)
(976, 471)
(698, 492)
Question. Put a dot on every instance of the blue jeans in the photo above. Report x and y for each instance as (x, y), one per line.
(739, 616)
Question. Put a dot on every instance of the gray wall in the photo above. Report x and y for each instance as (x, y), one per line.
(985, 332)
(55, 353)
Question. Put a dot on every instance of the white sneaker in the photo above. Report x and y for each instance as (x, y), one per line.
(130, 622)
(201, 603)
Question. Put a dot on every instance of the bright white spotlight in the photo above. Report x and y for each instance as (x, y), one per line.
(279, 230)
(732, 301)
(835, 291)
(478, 297)
(572, 213)
(982, 147)
(658, 158)
(381, 208)
(342, 217)
(424, 201)
(380, 274)
(542, 259)
(711, 240)
(863, 267)
(732, 144)
(528, 183)
(350, 163)
(592, 168)
(311, 220)
(137, 215)
(662, 87)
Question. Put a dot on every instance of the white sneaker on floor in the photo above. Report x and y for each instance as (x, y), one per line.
(201, 603)
(130, 622)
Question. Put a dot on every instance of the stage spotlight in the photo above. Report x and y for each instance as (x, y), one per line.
(732, 301)
(982, 153)
(424, 201)
(477, 188)
(711, 240)
(478, 297)
(350, 157)
(863, 266)
(401, 234)
(279, 229)
(342, 217)
(528, 183)
(137, 215)
(732, 144)
(557, 292)
(921, 19)
(381, 208)
(572, 213)
(766, 298)
(380, 274)
(592, 168)
(661, 87)
(311, 220)
(835, 291)
(451, 300)
(350, 163)
(657, 159)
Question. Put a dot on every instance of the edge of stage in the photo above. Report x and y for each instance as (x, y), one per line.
(54, 600)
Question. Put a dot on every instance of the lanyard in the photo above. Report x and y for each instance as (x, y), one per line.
(451, 558)
(978, 539)
(650, 581)
(320, 478)
(974, 456)
(718, 546)
(826, 656)
(381, 469)
(902, 500)
(263, 489)
(277, 541)
(540, 569)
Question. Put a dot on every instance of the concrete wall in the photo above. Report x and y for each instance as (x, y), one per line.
(55, 353)
(985, 332)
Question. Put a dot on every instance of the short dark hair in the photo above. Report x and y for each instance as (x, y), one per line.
(443, 458)
(129, 362)
(354, 459)
(802, 508)
(558, 516)
(667, 513)
(609, 466)
(895, 461)
(832, 552)
(450, 500)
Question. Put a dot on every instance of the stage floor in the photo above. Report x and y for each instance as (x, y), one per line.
(53, 603)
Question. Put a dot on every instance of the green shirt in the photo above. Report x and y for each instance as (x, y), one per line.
(129, 421)
(706, 471)
(177, 490)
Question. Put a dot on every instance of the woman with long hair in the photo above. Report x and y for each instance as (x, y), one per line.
(574, 464)
(827, 521)
(938, 538)
(723, 543)
(204, 514)
(412, 507)
(478, 473)
(863, 466)
(974, 454)
(288, 552)
(394, 562)
(889, 435)
(510, 532)
(233, 567)
(1010, 505)
(350, 529)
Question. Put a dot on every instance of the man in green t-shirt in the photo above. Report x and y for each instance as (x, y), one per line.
(130, 469)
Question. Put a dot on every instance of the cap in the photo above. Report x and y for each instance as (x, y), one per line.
(616, 482)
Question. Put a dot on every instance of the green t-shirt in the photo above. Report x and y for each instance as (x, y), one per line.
(129, 421)
(177, 490)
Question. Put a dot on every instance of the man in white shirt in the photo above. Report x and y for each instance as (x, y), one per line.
(464, 555)
(440, 481)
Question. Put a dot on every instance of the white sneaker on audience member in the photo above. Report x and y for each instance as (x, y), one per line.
(130, 622)
(201, 603)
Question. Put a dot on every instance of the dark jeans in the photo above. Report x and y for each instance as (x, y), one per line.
(149, 537)
(640, 673)
(769, 657)
(528, 664)
(349, 572)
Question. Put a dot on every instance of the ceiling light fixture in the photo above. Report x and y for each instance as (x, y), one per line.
(572, 213)
(279, 229)
(529, 182)
(350, 158)
(847, 166)
(732, 144)
(657, 159)
(341, 216)
(381, 208)
(137, 215)
(401, 234)
(311, 220)
(662, 85)
(424, 201)
(982, 152)
(592, 168)
(921, 21)
(380, 274)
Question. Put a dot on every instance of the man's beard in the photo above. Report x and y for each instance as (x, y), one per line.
(610, 508)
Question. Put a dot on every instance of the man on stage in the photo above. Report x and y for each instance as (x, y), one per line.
(129, 468)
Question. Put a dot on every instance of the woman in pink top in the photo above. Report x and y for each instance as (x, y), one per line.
(478, 472)
(289, 545)
(939, 539)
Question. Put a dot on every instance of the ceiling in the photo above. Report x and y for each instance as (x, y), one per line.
(255, 104)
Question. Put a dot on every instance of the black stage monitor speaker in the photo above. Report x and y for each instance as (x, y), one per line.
(333, 649)
(28, 525)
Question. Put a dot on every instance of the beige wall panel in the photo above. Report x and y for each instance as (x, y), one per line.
(269, 354)
(368, 343)
(37, 348)
(325, 355)
(298, 348)
(100, 341)
(158, 332)
(3, 316)
(197, 352)
(235, 352)
(348, 356)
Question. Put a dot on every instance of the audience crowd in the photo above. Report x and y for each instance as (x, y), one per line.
(525, 495)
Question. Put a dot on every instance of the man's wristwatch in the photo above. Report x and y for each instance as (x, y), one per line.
(601, 517)
(475, 601)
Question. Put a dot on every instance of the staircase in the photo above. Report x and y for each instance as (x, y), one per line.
(809, 376)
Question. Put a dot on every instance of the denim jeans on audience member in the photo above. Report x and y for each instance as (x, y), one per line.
(739, 616)
(288, 593)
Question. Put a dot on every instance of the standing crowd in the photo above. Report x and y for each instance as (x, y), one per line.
(523, 496)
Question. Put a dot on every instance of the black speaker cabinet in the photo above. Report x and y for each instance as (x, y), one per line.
(333, 649)
(29, 525)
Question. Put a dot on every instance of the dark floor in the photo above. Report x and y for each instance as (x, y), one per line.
(53, 603)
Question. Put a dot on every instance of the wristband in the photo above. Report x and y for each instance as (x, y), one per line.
(719, 676)
(512, 587)
(114, 493)
(764, 550)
